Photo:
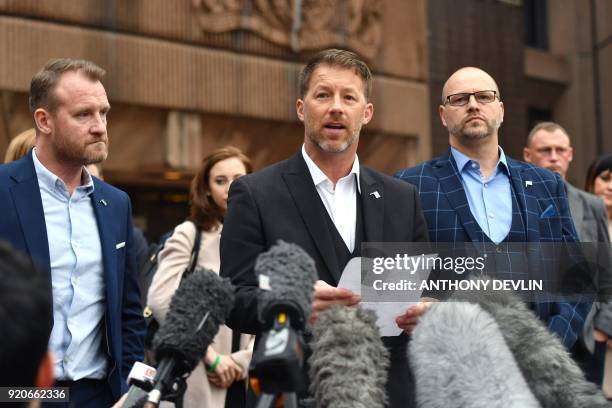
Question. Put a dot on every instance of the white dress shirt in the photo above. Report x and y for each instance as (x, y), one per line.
(341, 201)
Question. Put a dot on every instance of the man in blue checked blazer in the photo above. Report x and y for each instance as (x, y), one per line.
(78, 230)
(475, 193)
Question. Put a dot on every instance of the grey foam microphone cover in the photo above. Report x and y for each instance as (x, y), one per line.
(349, 363)
(203, 291)
(292, 274)
(460, 359)
(555, 379)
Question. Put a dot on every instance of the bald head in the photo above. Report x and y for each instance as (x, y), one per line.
(468, 78)
(475, 113)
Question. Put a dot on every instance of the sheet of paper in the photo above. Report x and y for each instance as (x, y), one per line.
(386, 312)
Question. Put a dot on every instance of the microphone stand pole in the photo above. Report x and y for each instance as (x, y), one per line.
(267, 400)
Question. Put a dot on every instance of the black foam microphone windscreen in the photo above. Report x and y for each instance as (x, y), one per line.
(555, 379)
(460, 359)
(289, 274)
(349, 363)
(199, 306)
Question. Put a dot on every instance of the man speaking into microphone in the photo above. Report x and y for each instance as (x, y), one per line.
(323, 200)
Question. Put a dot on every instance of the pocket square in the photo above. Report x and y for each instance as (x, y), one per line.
(120, 245)
(549, 212)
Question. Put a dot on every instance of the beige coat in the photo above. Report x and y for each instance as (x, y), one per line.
(173, 260)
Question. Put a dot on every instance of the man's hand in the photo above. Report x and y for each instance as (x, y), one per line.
(326, 295)
(408, 321)
(602, 337)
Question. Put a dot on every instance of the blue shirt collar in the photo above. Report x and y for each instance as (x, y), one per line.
(462, 160)
(49, 180)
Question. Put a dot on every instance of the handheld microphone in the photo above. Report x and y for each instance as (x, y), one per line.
(140, 380)
(555, 379)
(287, 275)
(349, 362)
(199, 306)
(461, 346)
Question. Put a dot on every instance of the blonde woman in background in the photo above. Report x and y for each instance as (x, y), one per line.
(20, 145)
(221, 366)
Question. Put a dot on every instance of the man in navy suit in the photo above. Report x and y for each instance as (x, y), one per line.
(475, 193)
(78, 229)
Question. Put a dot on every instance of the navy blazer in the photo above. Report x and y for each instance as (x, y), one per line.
(23, 225)
(543, 203)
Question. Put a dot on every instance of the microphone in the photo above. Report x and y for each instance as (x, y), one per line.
(140, 380)
(287, 275)
(199, 306)
(555, 379)
(349, 363)
(460, 345)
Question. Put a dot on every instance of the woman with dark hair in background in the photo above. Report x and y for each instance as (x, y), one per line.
(221, 367)
(599, 182)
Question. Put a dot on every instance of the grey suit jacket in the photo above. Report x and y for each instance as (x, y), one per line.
(589, 215)
(591, 220)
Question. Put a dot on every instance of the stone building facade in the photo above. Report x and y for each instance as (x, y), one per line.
(187, 76)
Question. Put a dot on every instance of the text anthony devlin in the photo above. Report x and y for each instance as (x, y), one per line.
(484, 284)
(454, 285)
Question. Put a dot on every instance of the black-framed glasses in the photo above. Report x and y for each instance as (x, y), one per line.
(462, 99)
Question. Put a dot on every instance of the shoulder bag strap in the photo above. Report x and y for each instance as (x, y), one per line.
(195, 251)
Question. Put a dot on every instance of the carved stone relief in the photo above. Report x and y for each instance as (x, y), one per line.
(299, 24)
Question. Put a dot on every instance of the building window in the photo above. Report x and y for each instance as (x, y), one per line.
(536, 23)
(537, 115)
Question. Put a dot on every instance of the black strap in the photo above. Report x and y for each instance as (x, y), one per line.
(195, 252)
(235, 341)
(152, 324)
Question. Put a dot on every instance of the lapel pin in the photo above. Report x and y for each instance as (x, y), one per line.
(103, 202)
(375, 194)
(528, 183)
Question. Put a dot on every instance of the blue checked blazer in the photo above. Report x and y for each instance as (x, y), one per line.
(543, 206)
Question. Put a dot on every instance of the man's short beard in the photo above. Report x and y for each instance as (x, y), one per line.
(90, 159)
(69, 154)
(327, 147)
(476, 133)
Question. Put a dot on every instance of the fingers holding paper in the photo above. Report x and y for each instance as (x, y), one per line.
(326, 295)
(408, 321)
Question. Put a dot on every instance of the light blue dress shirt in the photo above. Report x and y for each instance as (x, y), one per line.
(77, 276)
(490, 200)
